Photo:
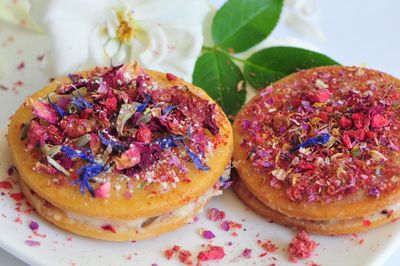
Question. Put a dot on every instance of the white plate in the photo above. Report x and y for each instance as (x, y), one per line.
(354, 35)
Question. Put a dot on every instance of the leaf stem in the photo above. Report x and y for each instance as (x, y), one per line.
(217, 49)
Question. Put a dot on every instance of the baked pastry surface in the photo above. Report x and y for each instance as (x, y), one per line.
(322, 145)
(189, 147)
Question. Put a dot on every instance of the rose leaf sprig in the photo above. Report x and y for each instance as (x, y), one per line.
(237, 26)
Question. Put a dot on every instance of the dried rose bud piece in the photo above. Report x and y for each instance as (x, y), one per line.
(379, 121)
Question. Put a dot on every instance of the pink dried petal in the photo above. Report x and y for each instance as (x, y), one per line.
(214, 214)
(45, 111)
(301, 246)
(247, 253)
(225, 226)
(103, 191)
(379, 121)
(37, 135)
(32, 243)
(129, 158)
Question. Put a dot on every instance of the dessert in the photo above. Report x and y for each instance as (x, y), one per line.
(319, 150)
(120, 153)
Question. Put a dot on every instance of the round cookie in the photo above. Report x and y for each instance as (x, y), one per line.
(331, 227)
(322, 144)
(190, 144)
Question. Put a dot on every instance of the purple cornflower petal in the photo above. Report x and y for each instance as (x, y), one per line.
(208, 234)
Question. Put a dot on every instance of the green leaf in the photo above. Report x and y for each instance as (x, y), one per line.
(220, 77)
(272, 64)
(241, 24)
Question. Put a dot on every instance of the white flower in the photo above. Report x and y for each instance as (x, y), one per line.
(17, 12)
(161, 35)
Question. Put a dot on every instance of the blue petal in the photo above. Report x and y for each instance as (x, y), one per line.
(320, 139)
(167, 110)
(115, 145)
(80, 102)
(87, 173)
(169, 141)
(143, 106)
(60, 111)
(198, 163)
(71, 153)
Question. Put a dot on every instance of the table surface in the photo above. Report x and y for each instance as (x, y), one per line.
(353, 36)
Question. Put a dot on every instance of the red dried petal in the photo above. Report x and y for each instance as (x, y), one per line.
(17, 196)
(171, 77)
(75, 127)
(379, 121)
(212, 253)
(86, 114)
(358, 134)
(110, 104)
(347, 141)
(366, 223)
(169, 254)
(345, 123)
(109, 227)
(5, 185)
(324, 116)
(370, 135)
(319, 97)
(358, 120)
(144, 135)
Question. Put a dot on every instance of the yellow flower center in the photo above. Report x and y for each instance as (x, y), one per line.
(126, 30)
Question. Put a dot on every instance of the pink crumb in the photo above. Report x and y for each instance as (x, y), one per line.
(301, 247)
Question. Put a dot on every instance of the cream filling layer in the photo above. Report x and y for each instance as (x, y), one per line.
(183, 212)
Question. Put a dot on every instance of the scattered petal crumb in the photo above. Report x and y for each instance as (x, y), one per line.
(212, 253)
(215, 215)
(32, 243)
(247, 253)
(33, 226)
(207, 234)
(301, 247)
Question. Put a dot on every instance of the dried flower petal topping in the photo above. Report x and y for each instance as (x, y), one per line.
(123, 122)
(321, 139)
(71, 153)
(325, 135)
(45, 112)
(125, 113)
(79, 101)
(60, 111)
(86, 173)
